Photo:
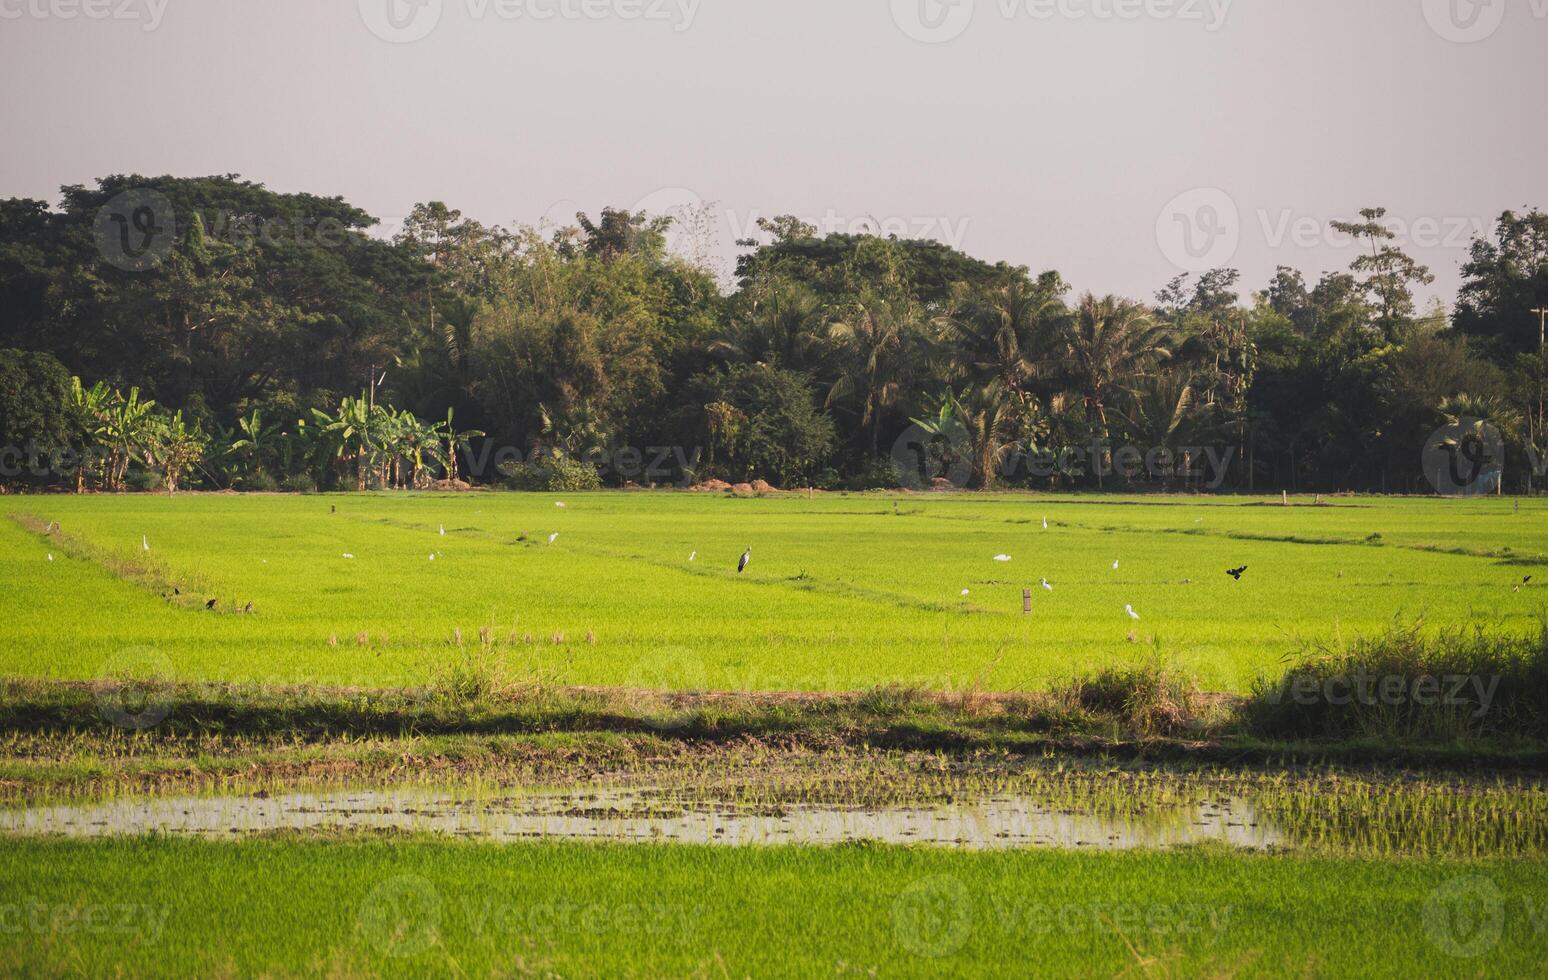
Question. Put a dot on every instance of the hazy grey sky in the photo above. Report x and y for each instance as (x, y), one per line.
(1114, 140)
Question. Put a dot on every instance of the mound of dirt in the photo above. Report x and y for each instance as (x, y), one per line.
(762, 486)
(711, 486)
(446, 486)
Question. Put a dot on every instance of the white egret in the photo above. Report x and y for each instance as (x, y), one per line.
(1002, 557)
(443, 530)
(1115, 564)
(51, 558)
(964, 591)
(1047, 586)
(348, 555)
(1131, 612)
(692, 555)
(1045, 523)
(559, 503)
(553, 537)
(144, 543)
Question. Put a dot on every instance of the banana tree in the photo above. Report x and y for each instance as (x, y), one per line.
(88, 424)
(125, 426)
(455, 441)
(259, 442)
(172, 445)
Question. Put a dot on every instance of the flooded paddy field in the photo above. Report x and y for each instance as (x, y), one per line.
(756, 797)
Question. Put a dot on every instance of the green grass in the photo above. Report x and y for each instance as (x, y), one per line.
(844, 592)
(410, 907)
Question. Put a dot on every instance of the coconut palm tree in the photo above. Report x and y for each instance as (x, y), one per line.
(1164, 411)
(1000, 342)
(1110, 343)
(783, 327)
(870, 345)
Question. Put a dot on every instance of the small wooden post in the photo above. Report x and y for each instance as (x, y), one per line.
(1026, 602)
(1286, 495)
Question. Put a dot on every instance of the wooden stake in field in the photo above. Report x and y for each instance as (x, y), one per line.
(1026, 602)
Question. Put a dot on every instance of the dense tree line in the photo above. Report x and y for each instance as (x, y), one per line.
(225, 335)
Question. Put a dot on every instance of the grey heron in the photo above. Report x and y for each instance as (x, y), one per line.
(741, 566)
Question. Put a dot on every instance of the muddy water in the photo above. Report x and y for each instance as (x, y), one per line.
(642, 815)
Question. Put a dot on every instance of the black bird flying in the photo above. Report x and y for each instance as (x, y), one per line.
(1237, 573)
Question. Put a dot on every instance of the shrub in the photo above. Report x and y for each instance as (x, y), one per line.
(299, 483)
(143, 479)
(877, 473)
(259, 482)
(1409, 684)
(557, 473)
(1151, 697)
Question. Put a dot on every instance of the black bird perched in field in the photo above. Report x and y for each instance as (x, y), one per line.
(248, 608)
(1237, 573)
(210, 604)
(741, 566)
(1527, 580)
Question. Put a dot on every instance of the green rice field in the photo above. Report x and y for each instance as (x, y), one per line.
(641, 590)
(411, 907)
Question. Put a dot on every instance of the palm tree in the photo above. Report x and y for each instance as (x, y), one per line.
(1164, 410)
(870, 344)
(1000, 342)
(782, 327)
(1472, 416)
(980, 426)
(1110, 343)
